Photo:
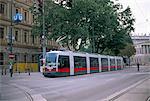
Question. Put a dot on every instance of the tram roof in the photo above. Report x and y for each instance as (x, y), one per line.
(91, 54)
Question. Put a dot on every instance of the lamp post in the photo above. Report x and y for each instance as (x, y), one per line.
(17, 18)
(44, 39)
(43, 36)
(10, 42)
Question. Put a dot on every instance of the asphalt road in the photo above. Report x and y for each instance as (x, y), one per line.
(90, 87)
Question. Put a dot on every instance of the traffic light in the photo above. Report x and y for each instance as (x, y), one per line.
(35, 8)
(69, 3)
(66, 3)
(38, 7)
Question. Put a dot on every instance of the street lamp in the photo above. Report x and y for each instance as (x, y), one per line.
(17, 18)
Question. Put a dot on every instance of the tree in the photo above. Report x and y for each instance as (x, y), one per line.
(99, 25)
(128, 51)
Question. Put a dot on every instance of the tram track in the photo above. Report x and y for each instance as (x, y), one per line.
(27, 94)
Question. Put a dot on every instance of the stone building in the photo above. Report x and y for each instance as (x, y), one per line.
(142, 46)
(26, 47)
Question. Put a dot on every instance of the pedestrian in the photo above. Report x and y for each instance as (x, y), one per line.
(11, 70)
(138, 66)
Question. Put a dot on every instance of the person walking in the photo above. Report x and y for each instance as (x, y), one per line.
(138, 67)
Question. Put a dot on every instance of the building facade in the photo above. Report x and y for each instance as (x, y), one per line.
(26, 47)
(142, 46)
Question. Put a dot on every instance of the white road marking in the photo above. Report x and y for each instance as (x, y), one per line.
(38, 97)
(109, 98)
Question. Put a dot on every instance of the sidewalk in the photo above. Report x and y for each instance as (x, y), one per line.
(139, 93)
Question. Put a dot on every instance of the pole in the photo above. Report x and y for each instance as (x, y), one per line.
(43, 37)
(10, 39)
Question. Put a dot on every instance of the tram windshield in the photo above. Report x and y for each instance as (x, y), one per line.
(51, 59)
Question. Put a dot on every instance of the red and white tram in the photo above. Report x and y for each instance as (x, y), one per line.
(65, 63)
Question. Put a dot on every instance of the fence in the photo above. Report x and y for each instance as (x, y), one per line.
(24, 67)
(19, 68)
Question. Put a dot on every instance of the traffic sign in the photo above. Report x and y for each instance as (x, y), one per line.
(11, 56)
(18, 17)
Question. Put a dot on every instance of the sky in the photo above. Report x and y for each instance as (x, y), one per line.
(141, 13)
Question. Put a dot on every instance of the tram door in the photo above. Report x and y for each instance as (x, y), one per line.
(112, 64)
(118, 64)
(94, 65)
(80, 66)
(63, 65)
(104, 62)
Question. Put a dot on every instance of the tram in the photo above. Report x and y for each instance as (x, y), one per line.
(67, 63)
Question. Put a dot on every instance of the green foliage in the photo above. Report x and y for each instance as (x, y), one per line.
(128, 51)
(99, 26)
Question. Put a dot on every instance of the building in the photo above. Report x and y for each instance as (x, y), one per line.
(26, 47)
(142, 46)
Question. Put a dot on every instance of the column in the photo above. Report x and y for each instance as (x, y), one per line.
(142, 49)
(147, 49)
(144, 52)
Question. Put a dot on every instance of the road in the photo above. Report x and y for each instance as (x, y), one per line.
(90, 87)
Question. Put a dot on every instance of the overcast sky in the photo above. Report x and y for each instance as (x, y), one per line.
(141, 12)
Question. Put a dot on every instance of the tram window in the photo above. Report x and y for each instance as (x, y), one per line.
(112, 62)
(63, 62)
(51, 58)
(104, 61)
(118, 62)
(79, 62)
(94, 62)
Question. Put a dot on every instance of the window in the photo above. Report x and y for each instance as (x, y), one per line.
(118, 64)
(25, 16)
(80, 65)
(33, 39)
(2, 8)
(17, 11)
(51, 59)
(25, 37)
(1, 33)
(25, 58)
(79, 62)
(104, 62)
(33, 58)
(63, 62)
(112, 64)
(94, 64)
(16, 58)
(16, 35)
